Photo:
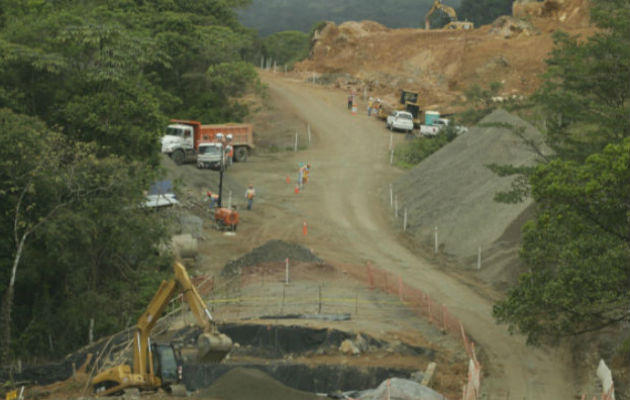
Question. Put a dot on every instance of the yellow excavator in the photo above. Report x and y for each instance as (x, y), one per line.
(450, 11)
(160, 365)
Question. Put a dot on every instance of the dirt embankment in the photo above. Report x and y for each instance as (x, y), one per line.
(441, 64)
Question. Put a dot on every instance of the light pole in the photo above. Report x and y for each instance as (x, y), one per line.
(221, 169)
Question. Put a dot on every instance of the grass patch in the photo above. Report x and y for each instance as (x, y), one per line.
(411, 153)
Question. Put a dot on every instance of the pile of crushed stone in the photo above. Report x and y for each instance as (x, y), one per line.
(251, 384)
(272, 251)
(453, 189)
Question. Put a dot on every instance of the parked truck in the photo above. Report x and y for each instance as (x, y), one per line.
(434, 124)
(183, 137)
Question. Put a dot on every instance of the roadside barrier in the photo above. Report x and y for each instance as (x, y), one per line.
(229, 292)
(438, 314)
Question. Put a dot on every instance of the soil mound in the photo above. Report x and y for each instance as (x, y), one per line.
(453, 189)
(272, 251)
(441, 63)
(249, 383)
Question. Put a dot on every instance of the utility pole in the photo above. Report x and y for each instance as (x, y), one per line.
(221, 169)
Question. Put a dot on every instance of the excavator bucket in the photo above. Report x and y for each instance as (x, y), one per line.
(213, 347)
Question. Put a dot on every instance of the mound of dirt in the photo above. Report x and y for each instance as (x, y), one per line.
(250, 383)
(441, 64)
(453, 189)
(272, 251)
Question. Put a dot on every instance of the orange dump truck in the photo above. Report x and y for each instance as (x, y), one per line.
(182, 139)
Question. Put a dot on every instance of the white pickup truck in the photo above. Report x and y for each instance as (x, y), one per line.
(209, 156)
(438, 125)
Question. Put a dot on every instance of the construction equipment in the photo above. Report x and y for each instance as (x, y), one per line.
(182, 138)
(450, 11)
(226, 218)
(408, 102)
(160, 365)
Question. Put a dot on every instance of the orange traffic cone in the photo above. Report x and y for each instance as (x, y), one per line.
(304, 229)
(297, 189)
(288, 180)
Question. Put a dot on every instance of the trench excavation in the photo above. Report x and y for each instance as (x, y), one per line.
(299, 357)
(286, 353)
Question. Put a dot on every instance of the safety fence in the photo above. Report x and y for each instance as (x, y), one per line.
(409, 298)
(438, 314)
(229, 292)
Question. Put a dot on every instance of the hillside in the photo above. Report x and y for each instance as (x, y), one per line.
(441, 64)
(270, 16)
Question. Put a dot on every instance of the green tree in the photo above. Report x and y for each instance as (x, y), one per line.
(287, 47)
(78, 236)
(586, 88)
(577, 247)
(483, 12)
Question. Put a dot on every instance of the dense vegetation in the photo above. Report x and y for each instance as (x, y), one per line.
(85, 89)
(483, 12)
(287, 47)
(271, 16)
(578, 246)
(412, 152)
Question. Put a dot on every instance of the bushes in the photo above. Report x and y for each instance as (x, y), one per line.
(410, 153)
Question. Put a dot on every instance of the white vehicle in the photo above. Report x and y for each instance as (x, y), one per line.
(160, 194)
(400, 120)
(438, 125)
(209, 156)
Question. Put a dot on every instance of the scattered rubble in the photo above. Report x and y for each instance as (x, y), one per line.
(508, 27)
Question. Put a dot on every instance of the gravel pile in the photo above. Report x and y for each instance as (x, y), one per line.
(251, 384)
(399, 389)
(453, 189)
(272, 251)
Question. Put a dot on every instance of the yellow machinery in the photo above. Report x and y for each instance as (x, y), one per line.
(408, 102)
(450, 11)
(159, 365)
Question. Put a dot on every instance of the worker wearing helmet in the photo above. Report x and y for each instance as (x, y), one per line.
(250, 193)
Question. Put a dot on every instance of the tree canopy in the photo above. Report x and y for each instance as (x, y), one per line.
(577, 248)
(85, 90)
(483, 12)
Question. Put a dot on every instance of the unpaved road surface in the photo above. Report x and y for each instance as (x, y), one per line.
(348, 221)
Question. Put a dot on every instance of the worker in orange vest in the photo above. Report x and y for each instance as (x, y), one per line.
(250, 193)
(214, 198)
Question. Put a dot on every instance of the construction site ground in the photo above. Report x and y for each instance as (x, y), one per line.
(348, 225)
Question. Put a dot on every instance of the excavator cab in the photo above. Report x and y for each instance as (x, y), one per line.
(160, 365)
(409, 100)
(168, 364)
(407, 97)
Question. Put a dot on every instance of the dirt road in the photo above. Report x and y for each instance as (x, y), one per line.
(347, 218)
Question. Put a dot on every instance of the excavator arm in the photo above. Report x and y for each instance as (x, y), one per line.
(212, 346)
(437, 5)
